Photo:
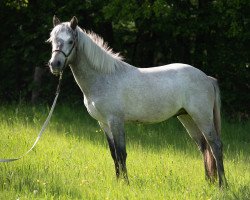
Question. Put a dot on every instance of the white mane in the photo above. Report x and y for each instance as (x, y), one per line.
(99, 54)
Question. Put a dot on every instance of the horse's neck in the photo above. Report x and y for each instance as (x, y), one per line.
(85, 75)
(90, 71)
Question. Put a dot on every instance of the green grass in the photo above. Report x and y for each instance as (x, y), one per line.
(72, 160)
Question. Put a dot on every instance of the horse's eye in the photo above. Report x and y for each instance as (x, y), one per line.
(71, 42)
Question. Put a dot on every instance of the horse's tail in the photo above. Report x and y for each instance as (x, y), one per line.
(210, 163)
(216, 111)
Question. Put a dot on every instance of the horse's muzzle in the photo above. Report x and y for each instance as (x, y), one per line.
(55, 67)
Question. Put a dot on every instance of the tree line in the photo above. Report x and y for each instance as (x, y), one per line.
(212, 35)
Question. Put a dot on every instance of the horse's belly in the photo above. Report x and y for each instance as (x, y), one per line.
(151, 114)
(147, 119)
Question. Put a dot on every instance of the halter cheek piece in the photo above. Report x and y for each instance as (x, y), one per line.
(67, 55)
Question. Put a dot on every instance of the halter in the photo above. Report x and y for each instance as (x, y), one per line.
(67, 55)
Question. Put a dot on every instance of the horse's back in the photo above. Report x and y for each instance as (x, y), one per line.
(177, 76)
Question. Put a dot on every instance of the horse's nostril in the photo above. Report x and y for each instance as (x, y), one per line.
(58, 63)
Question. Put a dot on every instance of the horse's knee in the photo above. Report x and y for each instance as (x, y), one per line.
(118, 153)
(121, 155)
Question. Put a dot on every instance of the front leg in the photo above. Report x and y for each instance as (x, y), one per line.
(116, 139)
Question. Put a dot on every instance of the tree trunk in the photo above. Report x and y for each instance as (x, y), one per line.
(37, 80)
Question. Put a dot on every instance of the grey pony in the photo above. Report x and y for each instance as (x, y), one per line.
(116, 92)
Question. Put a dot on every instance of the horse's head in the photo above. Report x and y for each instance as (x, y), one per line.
(63, 38)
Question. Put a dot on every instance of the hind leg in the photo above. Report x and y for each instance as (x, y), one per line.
(196, 134)
(216, 146)
(206, 125)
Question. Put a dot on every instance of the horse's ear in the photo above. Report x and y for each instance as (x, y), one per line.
(73, 23)
(56, 21)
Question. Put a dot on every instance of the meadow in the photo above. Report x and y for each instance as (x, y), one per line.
(72, 159)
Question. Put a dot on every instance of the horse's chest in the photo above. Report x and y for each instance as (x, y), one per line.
(93, 110)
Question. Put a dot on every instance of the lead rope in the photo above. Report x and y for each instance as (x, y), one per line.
(44, 125)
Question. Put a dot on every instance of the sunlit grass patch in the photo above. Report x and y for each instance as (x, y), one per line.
(72, 160)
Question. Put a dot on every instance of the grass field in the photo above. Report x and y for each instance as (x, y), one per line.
(72, 160)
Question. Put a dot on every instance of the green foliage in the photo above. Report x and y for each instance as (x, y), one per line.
(213, 35)
(72, 159)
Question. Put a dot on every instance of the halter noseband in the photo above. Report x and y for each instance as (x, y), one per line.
(67, 55)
